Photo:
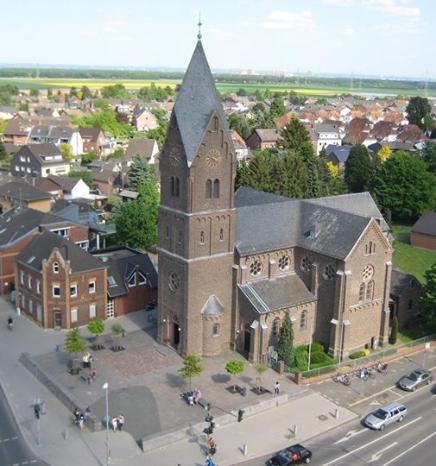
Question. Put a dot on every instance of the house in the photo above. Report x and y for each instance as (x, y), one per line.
(18, 226)
(241, 150)
(411, 133)
(263, 139)
(7, 113)
(131, 280)
(404, 294)
(423, 233)
(72, 188)
(143, 119)
(39, 160)
(21, 193)
(325, 135)
(104, 180)
(94, 140)
(58, 284)
(146, 148)
(17, 131)
(128, 196)
(338, 155)
(57, 135)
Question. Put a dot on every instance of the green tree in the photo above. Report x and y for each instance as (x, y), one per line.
(138, 172)
(384, 153)
(260, 369)
(358, 169)
(159, 134)
(293, 136)
(67, 151)
(115, 91)
(427, 300)
(241, 92)
(191, 368)
(85, 93)
(3, 153)
(88, 158)
(84, 175)
(418, 110)
(394, 331)
(285, 345)
(404, 186)
(235, 367)
(107, 120)
(136, 221)
(34, 92)
(240, 124)
(74, 343)
(96, 327)
(277, 107)
(429, 156)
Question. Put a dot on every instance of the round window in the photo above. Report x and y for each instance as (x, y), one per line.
(367, 273)
(306, 264)
(173, 281)
(328, 273)
(255, 268)
(284, 262)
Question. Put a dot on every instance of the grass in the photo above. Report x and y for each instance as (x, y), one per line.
(409, 258)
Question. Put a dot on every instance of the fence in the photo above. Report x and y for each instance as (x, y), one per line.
(349, 364)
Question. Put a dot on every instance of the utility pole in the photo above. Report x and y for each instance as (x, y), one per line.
(310, 344)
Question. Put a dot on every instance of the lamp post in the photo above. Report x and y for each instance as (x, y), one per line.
(105, 387)
(310, 344)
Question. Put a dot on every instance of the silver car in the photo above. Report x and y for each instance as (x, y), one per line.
(385, 416)
(415, 379)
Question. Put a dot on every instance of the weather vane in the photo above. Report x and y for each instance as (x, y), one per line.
(199, 24)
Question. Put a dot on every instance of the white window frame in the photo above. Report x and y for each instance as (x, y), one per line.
(142, 279)
(73, 286)
(30, 306)
(53, 287)
(21, 277)
(29, 281)
(83, 245)
(92, 286)
(132, 285)
(74, 313)
(55, 267)
(110, 308)
(92, 311)
(38, 286)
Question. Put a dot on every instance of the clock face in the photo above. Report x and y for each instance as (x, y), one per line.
(213, 157)
(174, 158)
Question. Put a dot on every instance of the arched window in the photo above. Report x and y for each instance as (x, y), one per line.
(216, 189)
(276, 326)
(221, 234)
(216, 329)
(222, 138)
(168, 232)
(208, 189)
(361, 292)
(180, 237)
(370, 290)
(215, 124)
(201, 237)
(303, 319)
(173, 186)
(177, 187)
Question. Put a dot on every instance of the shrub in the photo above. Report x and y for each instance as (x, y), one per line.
(318, 357)
(117, 329)
(357, 354)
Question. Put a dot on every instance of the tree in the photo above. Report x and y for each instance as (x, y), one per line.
(67, 151)
(88, 158)
(136, 221)
(240, 124)
(34, 92)
(277, 107)
(84, 175)
(107, 120)
(96, 327)
(3, 153)
(293, 135)
(235, 367)
(191, 368)
(428, 299)
(138, 172)
(358, 169)
(404, 186)
(115, 91)
(85, 93)
(394, 331)
(158, 133)
(74, 343)
(429, 156)
(418, 110)
(285, 345)
(260, 369)
(241, 92)
(384, 153)
(332, 168)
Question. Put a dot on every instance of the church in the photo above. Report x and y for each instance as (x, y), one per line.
(233, 264)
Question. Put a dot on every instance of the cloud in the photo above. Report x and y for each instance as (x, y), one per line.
(349, 31)
(290, 21)
(337, 2)
(392, 8)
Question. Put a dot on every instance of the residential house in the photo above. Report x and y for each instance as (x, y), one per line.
(241, 150)
(105, 180)
(17, 131)
(325, 135)
(131, 280)
(39, 160)
(146, 148)
(423, 233)
(128, 196)
(18, 226)
(411, 133)
(58, 284)
(143, 119)
(57, 135)
(94, 140)
(21, 193)
(404, 295)
(7, 113)
(263, 139)
(71, 188)
(338, 155)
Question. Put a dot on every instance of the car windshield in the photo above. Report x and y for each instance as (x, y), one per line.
(381, 414)
(280, 460)
(413, 376)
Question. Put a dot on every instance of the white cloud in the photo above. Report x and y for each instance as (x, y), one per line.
(290, 21)
(392, 8)
(337, 2)
(349, 31)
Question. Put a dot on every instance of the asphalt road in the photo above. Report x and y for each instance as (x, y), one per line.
(413, 441)
(13, 448)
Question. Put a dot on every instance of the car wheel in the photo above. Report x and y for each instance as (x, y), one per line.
(428, 382)
(414, 389)
(382, 428)
(400, 419)
(307, 460)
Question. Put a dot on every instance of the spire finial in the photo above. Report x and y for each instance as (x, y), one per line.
(199, 24)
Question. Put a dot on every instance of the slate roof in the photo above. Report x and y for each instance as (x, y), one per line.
(267, 134)
(142, 147)
(121, 264)
(21, 190)
(196, 100)
(90, 134)
(340, 152)
(426, 224)
(41, 151)
(65, 182)
(400, 281)
(330, 226)
(276, 293)
(42, 246)
(213, 307)
(56, 132)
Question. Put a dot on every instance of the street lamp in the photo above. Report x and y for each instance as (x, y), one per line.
(105, 387)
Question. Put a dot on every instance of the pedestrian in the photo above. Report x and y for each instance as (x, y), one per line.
(87, 414)
(209, 461)
(76, 414)
(277, 388)
(81, 421)
(121, 420)
(211, 445)
(114, 423)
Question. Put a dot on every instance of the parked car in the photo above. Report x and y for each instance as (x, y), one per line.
(415, 379)
(385, 416)
(295, 454)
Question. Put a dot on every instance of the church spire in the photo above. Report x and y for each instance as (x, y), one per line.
(199, 24)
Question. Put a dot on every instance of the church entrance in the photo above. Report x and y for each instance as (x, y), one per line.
(176, 334)
(247, 340)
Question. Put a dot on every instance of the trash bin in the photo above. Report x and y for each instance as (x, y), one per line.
(106, 421)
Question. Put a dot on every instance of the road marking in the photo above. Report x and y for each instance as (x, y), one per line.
(410, 449)
(373, 441)
(4, 440)
(376, 456)
(350, 434)
(375, 403)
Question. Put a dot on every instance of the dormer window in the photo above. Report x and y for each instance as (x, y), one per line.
(141, 279)
(55, 267)
(132, 280)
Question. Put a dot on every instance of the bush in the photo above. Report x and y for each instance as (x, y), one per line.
(357, 354)
(318, 357)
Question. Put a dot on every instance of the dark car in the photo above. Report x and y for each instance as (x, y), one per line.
(295, 454)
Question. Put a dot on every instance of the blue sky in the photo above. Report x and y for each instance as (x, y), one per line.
(379, 37)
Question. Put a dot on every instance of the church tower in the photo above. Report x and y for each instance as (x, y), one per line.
(196, 218)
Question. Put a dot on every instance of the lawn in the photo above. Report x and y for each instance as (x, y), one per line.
(408, 258)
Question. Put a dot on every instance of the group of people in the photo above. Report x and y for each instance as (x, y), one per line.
(118, 422)
(87, 360)
(81, 417)
(194, 397)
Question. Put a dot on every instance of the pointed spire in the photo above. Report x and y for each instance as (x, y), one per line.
(199, 24)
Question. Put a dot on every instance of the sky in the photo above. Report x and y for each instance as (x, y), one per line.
(352, 37)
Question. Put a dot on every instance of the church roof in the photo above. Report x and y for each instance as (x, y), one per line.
(196, 101)
(277, 293)
(212, 307)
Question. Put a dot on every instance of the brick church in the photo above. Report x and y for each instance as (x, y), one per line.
(232, 264)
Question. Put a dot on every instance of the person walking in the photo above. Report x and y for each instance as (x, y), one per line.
(211, 446)
(114, 423)
(121, 421)
(277, 388)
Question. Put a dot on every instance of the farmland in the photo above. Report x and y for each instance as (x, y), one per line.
(318, 90)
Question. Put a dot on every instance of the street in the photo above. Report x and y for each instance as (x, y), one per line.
(13, 447)
(402, 444)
